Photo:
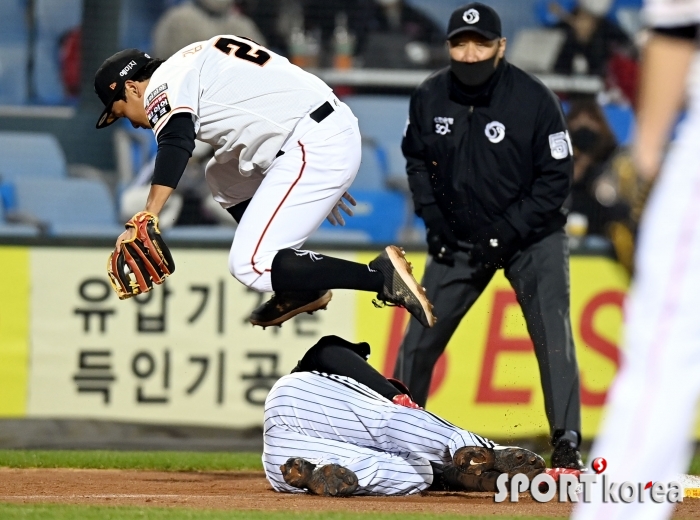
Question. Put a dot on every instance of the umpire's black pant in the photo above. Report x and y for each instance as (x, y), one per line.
(540, 277)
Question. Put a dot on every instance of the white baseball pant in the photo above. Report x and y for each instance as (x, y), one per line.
(646, 435)
(294, 195)
(330, 419)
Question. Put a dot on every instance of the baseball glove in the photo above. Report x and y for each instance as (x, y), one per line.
(142, 261)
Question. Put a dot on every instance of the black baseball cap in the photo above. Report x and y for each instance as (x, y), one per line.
(475, 17)
(111, 77)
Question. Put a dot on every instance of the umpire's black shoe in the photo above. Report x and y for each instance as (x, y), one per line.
(285, 305)
(567, 455)
(475, 468)
(400, 288)
(331, 480)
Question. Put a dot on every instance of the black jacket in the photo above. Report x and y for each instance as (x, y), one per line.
(500, 153)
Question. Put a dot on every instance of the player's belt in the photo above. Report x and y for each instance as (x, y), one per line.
(322, 112)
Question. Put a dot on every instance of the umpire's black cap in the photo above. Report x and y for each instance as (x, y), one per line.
(475, 17)
(111, 77)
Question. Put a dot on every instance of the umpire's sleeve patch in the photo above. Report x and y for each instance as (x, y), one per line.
(560, 144)
(157, 108)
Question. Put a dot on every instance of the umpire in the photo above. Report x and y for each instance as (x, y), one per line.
(489, 164)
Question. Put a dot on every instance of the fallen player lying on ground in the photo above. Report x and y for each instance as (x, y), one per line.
(337, 427)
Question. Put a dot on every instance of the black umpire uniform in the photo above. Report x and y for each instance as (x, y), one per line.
(490, 166)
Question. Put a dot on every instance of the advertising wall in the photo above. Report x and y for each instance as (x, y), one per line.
(185, 354)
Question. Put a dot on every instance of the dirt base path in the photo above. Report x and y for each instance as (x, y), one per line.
(244, 490)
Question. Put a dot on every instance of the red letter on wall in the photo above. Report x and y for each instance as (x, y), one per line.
(495, 344)
(598, 342)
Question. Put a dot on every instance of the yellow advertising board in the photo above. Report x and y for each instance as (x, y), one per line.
(14, 330)
(183, 353)
(488, 378)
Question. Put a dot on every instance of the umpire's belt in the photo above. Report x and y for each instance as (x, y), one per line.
(322, 112)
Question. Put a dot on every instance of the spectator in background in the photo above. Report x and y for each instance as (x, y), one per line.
(597, 46)
(388, 33)
(199, 20)
(594, 193)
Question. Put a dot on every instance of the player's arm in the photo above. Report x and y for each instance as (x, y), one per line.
(666, 60)
(553, 170)
(175, 146)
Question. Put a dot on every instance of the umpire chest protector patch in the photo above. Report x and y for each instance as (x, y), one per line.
(157, 108)
(495, 132)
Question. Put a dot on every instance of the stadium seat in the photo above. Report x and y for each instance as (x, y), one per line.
(222, 234)
(380, 214)
(381, 118)
(621, 121)
(373, 168)
(70, 207)
(25, 154)
(52, 20)
(14, 54)
(13, 230)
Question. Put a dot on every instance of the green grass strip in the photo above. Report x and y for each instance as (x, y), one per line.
(68, 512)
(151, 460)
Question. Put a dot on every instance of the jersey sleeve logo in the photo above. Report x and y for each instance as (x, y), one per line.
(157, 108)
(495, 132)
(442, 125)
(560, 144)
(155, 92)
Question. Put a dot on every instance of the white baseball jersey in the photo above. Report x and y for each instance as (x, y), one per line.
(332, 419)
(245, 99)
(646, 435)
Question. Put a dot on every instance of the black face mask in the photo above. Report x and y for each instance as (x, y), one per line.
(474, 74)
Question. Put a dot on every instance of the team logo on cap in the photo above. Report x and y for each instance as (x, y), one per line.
(471, 16)
(495, 132)
(113, 85)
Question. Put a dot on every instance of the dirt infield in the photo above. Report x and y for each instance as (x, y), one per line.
(245, 491)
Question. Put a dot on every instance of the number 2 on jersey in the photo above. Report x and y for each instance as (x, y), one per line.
(243, 50)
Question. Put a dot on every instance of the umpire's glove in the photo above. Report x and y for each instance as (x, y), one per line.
(494, 245)
(441, 240)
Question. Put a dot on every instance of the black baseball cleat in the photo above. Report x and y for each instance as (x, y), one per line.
(331, 480)
(567, 455)
(475, 468)
(285, 305)
(400, 288)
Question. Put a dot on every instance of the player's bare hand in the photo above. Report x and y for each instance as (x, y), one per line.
(336, 217)
(129, 234)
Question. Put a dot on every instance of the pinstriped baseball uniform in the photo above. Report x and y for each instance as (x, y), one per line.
(257, 110)
(652, 404)
(334, 419)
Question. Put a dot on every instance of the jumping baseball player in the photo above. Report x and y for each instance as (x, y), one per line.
(646, 436)
(335, 426)
(286, 150)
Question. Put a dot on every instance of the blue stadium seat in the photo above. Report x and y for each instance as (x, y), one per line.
(25, 154)
(373, 168)
(14, 54)
(71, 207)
(52, 19)
(621, 121)
(381, 118)
(379, 214)
(12, 230)
(13, 74)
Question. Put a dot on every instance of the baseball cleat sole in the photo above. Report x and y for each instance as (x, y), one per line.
(479, 467)
(405, 286)
(311, 307)
(331, 480)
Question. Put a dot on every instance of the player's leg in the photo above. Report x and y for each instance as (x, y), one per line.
(452, 291)
(540, 277)
(377, 472)
(300, 189)
(646, 435)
